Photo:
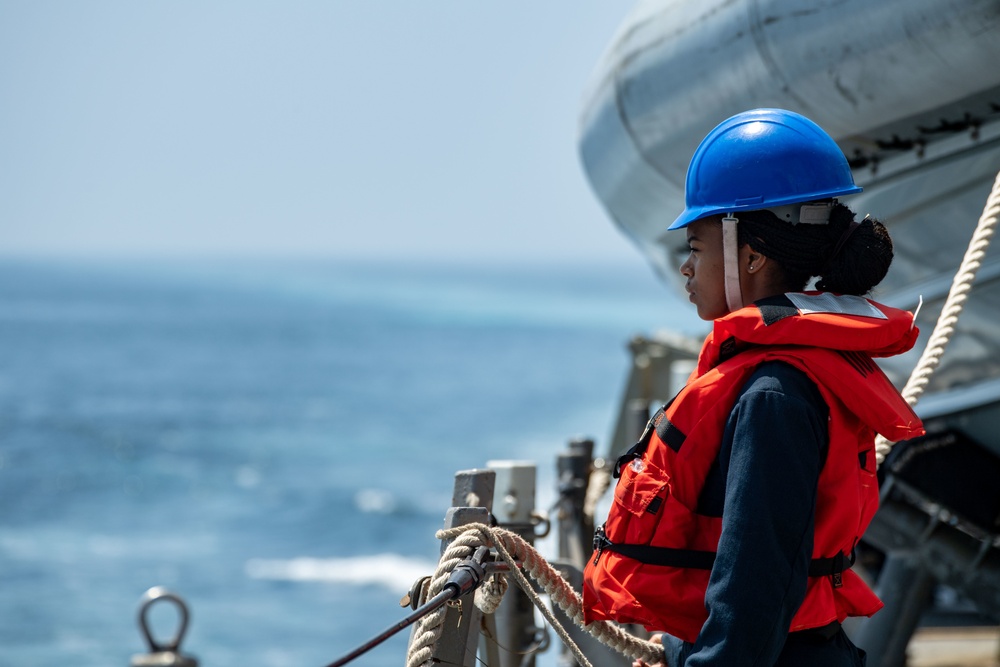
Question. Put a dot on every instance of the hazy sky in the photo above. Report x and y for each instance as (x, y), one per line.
(424, 129)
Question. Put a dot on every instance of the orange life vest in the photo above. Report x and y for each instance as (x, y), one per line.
(655, 553)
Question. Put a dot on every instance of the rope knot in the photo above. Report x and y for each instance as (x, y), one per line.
(522, 559)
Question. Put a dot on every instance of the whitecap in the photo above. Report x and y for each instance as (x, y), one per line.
(247, 477)
(391, 571)
(375, 501)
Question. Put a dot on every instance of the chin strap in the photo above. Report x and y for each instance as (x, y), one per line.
(730, 259)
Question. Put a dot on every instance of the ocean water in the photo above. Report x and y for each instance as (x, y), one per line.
(275, 441)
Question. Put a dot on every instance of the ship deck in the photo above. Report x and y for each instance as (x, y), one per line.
(955, 647)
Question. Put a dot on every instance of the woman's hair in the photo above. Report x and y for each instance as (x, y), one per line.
(847, 256)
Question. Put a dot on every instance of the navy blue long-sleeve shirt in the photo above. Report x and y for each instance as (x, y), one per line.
(765, 478)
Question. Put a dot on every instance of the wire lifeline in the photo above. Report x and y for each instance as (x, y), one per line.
(518, 554)
(465, 577)
(953, 305)
(434, 603)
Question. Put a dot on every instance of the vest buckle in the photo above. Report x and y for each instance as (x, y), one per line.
(601, 542)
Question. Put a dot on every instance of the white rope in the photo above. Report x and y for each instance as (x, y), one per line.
(597, 486)
(428, 628)
(519, 555)
(953, 305)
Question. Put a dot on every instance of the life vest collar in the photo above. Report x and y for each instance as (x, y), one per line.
(824, 320)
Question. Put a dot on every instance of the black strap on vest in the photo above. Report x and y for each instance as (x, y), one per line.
(671, 436)
(704, 560)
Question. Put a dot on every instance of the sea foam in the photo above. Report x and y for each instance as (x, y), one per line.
(390, 571)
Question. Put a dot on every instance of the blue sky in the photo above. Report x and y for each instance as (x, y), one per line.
(420, 130)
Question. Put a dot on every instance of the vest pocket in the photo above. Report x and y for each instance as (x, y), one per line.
(639, 496)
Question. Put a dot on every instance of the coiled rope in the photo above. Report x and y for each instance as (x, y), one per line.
(945, 326)
(519, 555)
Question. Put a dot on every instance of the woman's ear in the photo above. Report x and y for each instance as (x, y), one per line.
(751, 260)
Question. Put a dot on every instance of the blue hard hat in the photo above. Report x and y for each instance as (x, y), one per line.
(761, 159)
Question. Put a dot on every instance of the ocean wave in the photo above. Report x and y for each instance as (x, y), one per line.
(391, 571)
(375, 501)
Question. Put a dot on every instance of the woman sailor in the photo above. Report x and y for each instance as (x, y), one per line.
(736, 514)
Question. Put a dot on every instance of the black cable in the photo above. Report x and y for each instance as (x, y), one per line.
(448, 594)
(465, 577)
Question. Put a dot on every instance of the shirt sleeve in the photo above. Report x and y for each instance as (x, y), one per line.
(772, 453)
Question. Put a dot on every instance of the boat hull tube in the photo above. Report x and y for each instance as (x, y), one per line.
(910, 91)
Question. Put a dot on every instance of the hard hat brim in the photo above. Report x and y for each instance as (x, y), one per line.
(693, 213)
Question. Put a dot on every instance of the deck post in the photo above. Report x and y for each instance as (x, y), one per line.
(576, 530)
(514, 508)
(576, 537)
(471, 500)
